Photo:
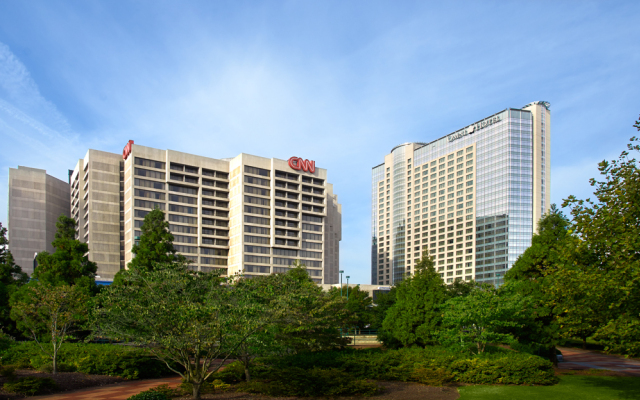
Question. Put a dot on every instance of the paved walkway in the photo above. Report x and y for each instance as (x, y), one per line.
(117, 391)
(578, 359)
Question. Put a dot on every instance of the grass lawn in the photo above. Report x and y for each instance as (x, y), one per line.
(579, 387)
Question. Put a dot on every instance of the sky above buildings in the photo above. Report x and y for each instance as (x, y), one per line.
(338, 82)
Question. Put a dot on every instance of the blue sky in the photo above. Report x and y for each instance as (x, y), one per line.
(338, 82)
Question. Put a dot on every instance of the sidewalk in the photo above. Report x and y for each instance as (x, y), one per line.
(117, 391)
(578, 359)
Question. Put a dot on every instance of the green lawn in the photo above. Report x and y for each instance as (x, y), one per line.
(579, 387)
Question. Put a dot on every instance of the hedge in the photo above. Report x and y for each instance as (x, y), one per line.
(432, 365)
(98, 359)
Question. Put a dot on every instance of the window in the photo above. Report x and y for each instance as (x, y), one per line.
(256, 200)
(149, 184)
(213, 261)
(185, 239)
(256, 171)
(182, 199)
(312, 246)
(149, 174)
(256, 239)
(256, 210)
(183, 209)
(182, 229)
(182, 219)
(149, 204)
(255, 190)
(310, 254)
(256, 268)
(149, 163)
(182, 189)
(257, 230)
(309, 227)
(256, 220)
(257, 259)
(285, 252)
(185, 249)
(256, 181)
(311, 236)
(311, 218)
(257, 249)
(149, 194)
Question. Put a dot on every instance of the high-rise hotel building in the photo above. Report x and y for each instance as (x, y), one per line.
(246, 215)
(471, 199)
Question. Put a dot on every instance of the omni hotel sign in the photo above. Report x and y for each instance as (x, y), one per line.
(474, 127)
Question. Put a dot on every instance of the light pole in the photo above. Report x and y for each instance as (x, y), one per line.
(341, 272)
(348, 288)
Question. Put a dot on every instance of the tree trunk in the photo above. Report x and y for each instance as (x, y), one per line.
(196, 390)
(55, 359)
(245, 361)
(554, 356)
(584, 343)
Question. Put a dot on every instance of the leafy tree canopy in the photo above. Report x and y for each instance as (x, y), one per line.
(68, 264)
(11, 278)
(415, 317)
(155, 245)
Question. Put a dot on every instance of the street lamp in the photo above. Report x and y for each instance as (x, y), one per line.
(348, 287)
(341, 272)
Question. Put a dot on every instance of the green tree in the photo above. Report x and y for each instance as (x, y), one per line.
(184, 317)
(358, 305)
(69, 264)
(479, 318)
(313, 320)
(531, 276)
(605, 265)
(11, 278)
(415, 317)
(155, 245)
(49, 313)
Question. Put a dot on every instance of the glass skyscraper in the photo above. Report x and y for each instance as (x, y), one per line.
(471, 198)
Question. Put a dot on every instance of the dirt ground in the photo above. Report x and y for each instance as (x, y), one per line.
(391, 391)
(67, 381)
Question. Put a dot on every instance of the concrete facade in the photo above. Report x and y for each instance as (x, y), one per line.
(36, 201)
(246, 215)
(478, 194)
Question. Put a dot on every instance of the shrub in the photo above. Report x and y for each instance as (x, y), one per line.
(296, 381)
(31, 386)
(149, 395)
(99, 359)
(8, 371)
(512, 368)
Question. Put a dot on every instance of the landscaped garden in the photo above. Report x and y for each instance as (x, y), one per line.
(284, 333)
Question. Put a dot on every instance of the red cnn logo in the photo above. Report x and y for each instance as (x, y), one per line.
(127, 150)
(298, 164)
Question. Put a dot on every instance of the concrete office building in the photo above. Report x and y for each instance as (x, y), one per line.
(246, 215)
(36, 201)
(471, 198)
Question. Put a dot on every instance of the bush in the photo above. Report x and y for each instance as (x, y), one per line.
(98, 359)
(432, 365)
(31, 386)
(149, 395)
(295, 381)
(8, 371)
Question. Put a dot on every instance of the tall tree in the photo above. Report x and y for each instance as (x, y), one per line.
(358, 304)
(11, 278)
(606, 261)
(49, 314)
(184, 317)
(155, 245)
(531, 276)
(69, 264)
(415, 317)
(479, 318)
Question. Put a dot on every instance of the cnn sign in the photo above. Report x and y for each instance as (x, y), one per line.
(127, 150)
(298, 164)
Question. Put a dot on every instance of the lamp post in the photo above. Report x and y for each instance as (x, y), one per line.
(341, 272)
(348, 287)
